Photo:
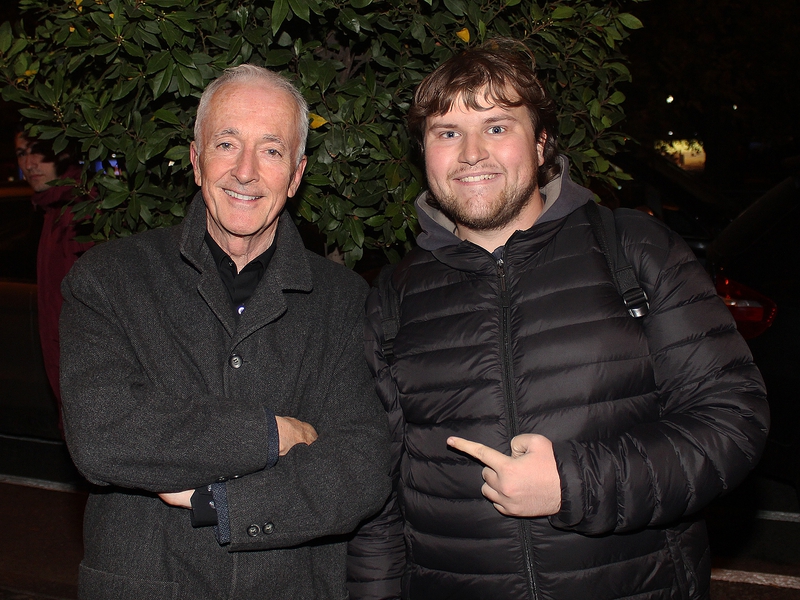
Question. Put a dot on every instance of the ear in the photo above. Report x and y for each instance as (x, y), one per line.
(194, 156)
(540, 147)
(297, 177)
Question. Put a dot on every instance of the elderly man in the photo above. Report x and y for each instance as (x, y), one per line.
(547, 443)
(217, 367)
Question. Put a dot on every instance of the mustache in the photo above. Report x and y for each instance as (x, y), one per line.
(467, 171)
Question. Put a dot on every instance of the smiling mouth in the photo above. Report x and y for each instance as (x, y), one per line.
(238, 196)
(476, 178)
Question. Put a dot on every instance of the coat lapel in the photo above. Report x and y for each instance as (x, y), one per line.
(196, 252)
(287, 271)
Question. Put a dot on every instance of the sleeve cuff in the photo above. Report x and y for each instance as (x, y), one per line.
(203, 513)
(273, 441)
(223, 526)
(572, 510)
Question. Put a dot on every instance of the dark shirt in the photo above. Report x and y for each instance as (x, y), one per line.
(209, 503)
(242, 284)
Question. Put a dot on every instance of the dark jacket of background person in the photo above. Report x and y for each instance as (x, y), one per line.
(650, 418)
(57, 252)
(153, 402)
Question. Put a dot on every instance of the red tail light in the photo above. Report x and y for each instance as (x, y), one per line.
(753, 312)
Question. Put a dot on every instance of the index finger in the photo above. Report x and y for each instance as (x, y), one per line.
(488, 456)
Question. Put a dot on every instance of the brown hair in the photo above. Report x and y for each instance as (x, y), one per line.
(63, 160)
(502, 71)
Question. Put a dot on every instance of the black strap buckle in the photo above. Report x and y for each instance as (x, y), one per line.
(636, 302)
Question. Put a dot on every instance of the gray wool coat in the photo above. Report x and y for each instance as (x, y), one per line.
(153, 403)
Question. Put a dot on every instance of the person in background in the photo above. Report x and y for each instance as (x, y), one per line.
(547, 444)
(58, 249)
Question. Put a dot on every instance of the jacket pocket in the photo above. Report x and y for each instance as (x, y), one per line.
(101, 585)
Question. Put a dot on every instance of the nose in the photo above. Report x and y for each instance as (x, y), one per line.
(473, 150)
(246, 168)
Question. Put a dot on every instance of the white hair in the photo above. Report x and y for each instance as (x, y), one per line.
(249, 74)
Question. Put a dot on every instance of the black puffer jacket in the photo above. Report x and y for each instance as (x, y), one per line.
(650, 418)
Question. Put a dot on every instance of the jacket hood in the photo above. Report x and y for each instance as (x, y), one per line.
(561, 197)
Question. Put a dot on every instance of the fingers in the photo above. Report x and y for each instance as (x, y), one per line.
(528, 442)
(488, 456)
(292, 431)
(525, 484)
(490, 492)
(308, 434)
(181, 499)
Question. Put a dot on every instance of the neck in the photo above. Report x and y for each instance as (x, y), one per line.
(242, 250)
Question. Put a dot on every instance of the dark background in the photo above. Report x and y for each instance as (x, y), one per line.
(712, 56)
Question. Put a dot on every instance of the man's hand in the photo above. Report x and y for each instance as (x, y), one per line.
(179, 499)
(291, 431)
(525, 484)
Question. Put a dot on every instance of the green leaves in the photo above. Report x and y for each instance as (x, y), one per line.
(6, 37)
(562, 12)
(629, 21)
(121, 79)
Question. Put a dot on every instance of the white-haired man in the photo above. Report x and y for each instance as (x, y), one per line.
(218, 367)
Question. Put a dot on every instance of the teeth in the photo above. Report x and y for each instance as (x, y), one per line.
(474, 178)
(233, 194)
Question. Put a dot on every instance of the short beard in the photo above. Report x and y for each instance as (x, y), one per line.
(509, 205)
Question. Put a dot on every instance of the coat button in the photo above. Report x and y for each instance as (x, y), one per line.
(268, 528)
(253, 530)
(235, 361)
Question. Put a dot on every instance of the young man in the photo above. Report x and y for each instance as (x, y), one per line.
(546, 443)
(218, 366)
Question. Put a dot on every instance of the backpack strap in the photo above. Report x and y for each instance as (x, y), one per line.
(604, 229)
(390, 309)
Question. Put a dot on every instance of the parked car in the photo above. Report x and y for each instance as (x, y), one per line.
(759, 249)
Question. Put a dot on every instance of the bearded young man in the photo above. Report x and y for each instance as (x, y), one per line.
(546, 444)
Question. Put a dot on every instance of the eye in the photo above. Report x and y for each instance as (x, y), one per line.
(449, 135)
(495, 129)
(224, 145)
(274, 152)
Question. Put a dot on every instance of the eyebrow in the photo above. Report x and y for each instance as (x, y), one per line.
(488, 121)
(498, 118)
(267, 137)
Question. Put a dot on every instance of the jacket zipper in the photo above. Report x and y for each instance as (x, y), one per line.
(508, 373)
(511, 403)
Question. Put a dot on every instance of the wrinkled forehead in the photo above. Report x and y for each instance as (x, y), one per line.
(256, 102)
